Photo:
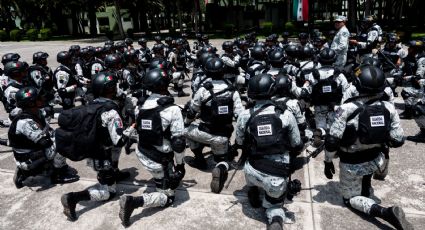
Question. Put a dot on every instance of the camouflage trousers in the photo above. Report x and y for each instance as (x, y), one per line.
(351, 177)
(195, 137)
(272, 186)
(160, 198)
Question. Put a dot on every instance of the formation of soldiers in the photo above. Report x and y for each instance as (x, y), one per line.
(279, 98)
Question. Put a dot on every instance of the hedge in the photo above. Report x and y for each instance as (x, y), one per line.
(32, 34)
(45, 34)
(3, 35)
(15, 35)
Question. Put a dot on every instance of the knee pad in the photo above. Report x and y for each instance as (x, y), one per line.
(106, 177)
(178, 144)
(273, 200)
(163, 183)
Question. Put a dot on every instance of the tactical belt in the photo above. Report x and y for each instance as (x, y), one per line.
(359, 157)
(270, 167)
(155, 155)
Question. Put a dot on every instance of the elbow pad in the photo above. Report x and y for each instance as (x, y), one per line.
(190, 114)
(178, 144)
(332, 143)
(45, 142)
(304, 94)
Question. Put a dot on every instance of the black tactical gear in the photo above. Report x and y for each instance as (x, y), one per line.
(369, 80)
(327, 56)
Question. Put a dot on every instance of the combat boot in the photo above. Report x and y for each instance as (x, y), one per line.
(418, 138)
(407, 113)
(70, 200)
(199, 161)
(254, 197)
(219, 176)
(121, 175)
(4, 142)
(19, 177)
(127, 206)
(181, 93)
(63, 176)
(393, 215)
(276, 224)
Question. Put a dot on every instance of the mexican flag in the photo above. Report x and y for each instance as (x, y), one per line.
(300, 10)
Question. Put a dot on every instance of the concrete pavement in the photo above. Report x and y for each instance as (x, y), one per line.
(319, 205)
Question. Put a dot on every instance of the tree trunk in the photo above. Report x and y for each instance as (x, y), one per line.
(74, 20)
(352, 13)
(368, 7)
(179, 13)
(92, 17)
(118, 18)
(143, 18)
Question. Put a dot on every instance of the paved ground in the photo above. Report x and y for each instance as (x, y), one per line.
(319, 206)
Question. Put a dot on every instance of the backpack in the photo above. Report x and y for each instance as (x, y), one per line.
(77, 135)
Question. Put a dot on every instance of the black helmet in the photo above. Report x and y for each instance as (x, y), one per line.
(107, 48)
(109, 42)
(372, 61)
(14, 67)
(214, 67)
(258, 52)
(10, 57)
(184, 35)
(327, 56)
(155, 80)
(159, 63)
(131, 55)
(63, 57)
(26, 97)
(103, 83)
(306, 52)
(227, 45)
(39, 56)
(142, 41)
(205, 57)
(128, 41)
(120, 44)
(302, 35)
(369, 80)
(168, 39)
(179, 41)
(208, 49)
(157, 47)
(157, 38)
(74, 49)
(198, 36)
(285, 34)
(283, 85)
(261, 86)
(260, 43)
(243, 43)
(113, 60)
(366, 22)
(292, 51)
(205, 37)
(99, 50)
(276, 57)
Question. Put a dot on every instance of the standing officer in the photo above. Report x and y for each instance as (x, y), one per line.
(340, 41)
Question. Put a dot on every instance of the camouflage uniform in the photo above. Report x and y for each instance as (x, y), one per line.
(195, 137)
(274, 187)
(340, 46)
(172, 120)
(351, 91)
(111, 120)
(352, 175)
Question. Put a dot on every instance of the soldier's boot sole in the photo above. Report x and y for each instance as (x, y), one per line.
(397, 218)
(69, 206)
(219, 176)
(126, 209)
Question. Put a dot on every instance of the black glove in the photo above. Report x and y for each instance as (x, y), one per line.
(61, 92)
(329, 170)
(181, 170)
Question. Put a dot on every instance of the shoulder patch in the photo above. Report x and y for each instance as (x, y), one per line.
(345, 34)
(339, 112)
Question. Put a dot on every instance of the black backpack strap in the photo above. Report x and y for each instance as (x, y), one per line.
(361, 108)
(301, 68)
(256, 112)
